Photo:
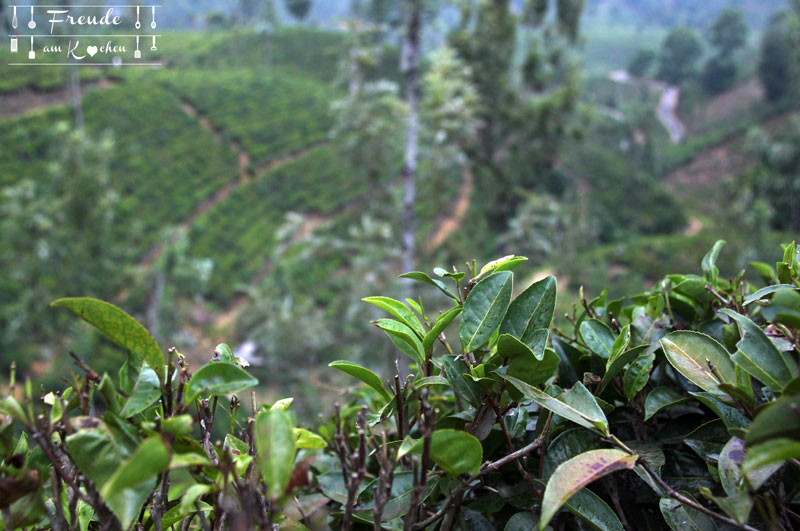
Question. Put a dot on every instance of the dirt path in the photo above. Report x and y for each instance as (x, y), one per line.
(27, 100)
(667, 113)
(452, 222)
(246, 173)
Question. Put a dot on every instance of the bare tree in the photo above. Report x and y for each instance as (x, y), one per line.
(410, 69)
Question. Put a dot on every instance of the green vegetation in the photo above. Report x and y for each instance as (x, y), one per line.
(514, 424)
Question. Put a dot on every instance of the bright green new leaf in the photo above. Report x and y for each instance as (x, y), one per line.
(275, 446)
(399, 310)
(532, 309)
(709, 263)
(573, 475)
(577, 404)
(763, 292)
(363, 374)
(309, 440)
(218, 378)
(524, 364)
(758, 355)
(701, 359)
(403, 338)
(439, 326)
(598, 337)
(224, 353)
(505, 263)
(145, 393)
(484, 310)
(456, 452)
(117, 326)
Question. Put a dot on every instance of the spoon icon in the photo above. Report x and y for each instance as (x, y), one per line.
(153, 47)
(32, 23)
(138, 24)
(153, 24)
(14, 19)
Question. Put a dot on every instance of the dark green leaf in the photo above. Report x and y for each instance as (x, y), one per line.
(484, 310)
(598, 337)
(683, 518)
(659, 398)
(763, 292)
(456, 452)
(426, 279)
(637, 375)
(617, 362)
(780, 419)
(758, 356)
(774, 451)
(532, 309)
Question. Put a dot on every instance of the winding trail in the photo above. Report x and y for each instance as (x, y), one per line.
(246, 173)
(452, 222)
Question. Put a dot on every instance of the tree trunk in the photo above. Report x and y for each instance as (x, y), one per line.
(410, 70)
(77, 98)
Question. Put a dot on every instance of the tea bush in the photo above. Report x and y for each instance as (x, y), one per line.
(675, 408)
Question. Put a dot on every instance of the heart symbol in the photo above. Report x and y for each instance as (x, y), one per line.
(91, 50)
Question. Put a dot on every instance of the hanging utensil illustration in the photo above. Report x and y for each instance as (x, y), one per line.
(13, 45)
(14, 19)
(32, 23)
(138, 24)
(137, 54)
(153, 47)
(153, 24)
(31, 53)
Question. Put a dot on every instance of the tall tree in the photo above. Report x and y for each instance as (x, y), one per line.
(528, 86)
(410, 70)
(299, 9)
(778, 67)
(679, 54)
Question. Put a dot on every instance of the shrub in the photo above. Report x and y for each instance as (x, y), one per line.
(680, 402)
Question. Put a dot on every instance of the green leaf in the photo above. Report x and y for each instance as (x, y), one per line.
(145, 393)
(737, 506)
(598, 337)
(94, 452)
(363, 374)
(399, 310)
(694, 354)
(617, 361)
(453, 369)
(709, 263)
(577, 405)
(439, 326)
(505, 263)
(456, 452)
(763, 292)
(731, 416)
(524, 521)
(309, 440)
(758, 356)
(119, 327)
(426, 279)
(524, 364)
(573, 475)
(532, 309)
(637, 375)
(772, 452)
(224, 353)
(777, 420)
(484, 310)
(428, 381)
(591, 508)
(275, 447)
(218, 378)
(684, 518)
(127, 490)
(659, 398)
(403, 338)
(731, 470)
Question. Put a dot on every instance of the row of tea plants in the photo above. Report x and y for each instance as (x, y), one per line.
(677, 408)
